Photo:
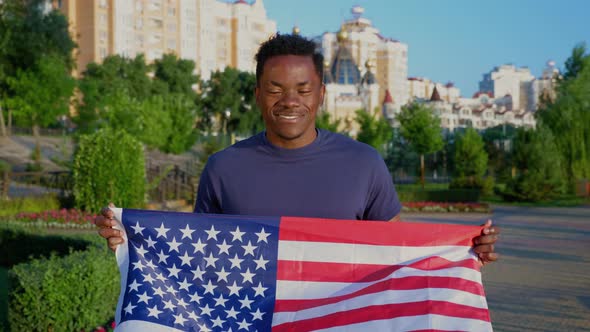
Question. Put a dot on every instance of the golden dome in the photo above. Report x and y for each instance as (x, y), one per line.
(342, 35)
(296, 30)
(369, 64)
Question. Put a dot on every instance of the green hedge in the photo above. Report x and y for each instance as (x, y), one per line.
(448, 195)
(26, 243)
(75, 292)
(10, 207)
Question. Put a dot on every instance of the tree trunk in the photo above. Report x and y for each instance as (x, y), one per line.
(422, 170)
(3, 132)
(37, 153)
(9, 122)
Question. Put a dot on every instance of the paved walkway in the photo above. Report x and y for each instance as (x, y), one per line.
(542, 282)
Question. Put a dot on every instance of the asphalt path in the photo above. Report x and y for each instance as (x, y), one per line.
(542, 282)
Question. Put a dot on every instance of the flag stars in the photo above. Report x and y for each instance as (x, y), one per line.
(246, 302)
(162, 231)
(186, 259)
(187, 232)
(224, 248)
(138, 265)
(181, 303)
(222, 275)
(199, 246)
(148, 278)
(195, 297)
(174, 271)
(209, 288)
(137, 229)
(140, 251)
(129, 308)
(234, 289)
(249, 249)
(179, 319)
(257, 314)
(235, 262)
(162, 257)
(174, 245)
(259, 290)
(144, 298)
(248, 276)
(243, 325)
(184, 285)
(210, 260)
(220, 301)
(168, 305)
(159, 291)
(262, 236)
(170, 289)
(232, 313)
(212, 233)
(237, 234)
(198, 273)
(217, 322)
(154, 312)
(134, 286)
(206, 310)
(151, 243)
(261, 263)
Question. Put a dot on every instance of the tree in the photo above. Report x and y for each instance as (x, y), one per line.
(421, 128)
(471, 159)
(28, 34)
(568, 117)
(174, 75)
(538, 162)
(374, 131)
(41, 94)
(324, 120)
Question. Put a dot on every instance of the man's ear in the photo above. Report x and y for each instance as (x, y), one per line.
(322, 94)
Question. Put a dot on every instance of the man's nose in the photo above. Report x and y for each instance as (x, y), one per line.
(290, 99)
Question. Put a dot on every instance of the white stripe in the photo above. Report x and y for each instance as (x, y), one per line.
(140, 325)
(122, 254)
(365, 254)
(298, 290)
(385, 297)
(413, 323)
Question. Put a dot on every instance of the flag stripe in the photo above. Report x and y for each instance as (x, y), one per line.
(420, 323)
(309, 299)
(384, 312)
(337, 272)
(376, 233)
(382, 298)
(365, 254)
(288, 289)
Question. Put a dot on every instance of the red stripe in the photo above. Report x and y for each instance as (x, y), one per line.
(342, 272)
(387, 311)
(376, 233)
(407, 283)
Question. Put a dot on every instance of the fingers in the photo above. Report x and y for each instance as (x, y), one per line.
(105, 222)
(485, 239)
(489, 230)
(102, 221)
(488, 257)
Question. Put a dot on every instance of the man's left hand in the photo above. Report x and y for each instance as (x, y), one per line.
(484, 245)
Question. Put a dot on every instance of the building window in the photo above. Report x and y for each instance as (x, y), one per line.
(171, 11)
(102, 4)
(172, 27)
(172, 44)
(102, 36)
(103, 19)
(103, 52)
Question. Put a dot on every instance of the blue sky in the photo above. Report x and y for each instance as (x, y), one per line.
(455, 40)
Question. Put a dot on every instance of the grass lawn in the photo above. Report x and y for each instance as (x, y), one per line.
(564, 201)
(3, 299)
(418, 187)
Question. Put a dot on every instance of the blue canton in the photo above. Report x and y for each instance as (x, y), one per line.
(198, 272)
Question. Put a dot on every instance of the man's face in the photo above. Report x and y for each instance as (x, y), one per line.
(289, 94)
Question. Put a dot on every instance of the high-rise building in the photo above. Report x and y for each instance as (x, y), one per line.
(509, 80)
(422, 88)
(367, 45)
(212, 33)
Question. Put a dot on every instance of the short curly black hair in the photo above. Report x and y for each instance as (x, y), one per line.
(288, 45)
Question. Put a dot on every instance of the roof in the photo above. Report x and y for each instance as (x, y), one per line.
(388, 99)
(343, 69)
(435, 96)
(479, 93)
(241, 2)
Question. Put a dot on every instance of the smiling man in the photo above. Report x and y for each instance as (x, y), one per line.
(293, 168)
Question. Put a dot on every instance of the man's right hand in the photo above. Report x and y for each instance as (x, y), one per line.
(105, 223)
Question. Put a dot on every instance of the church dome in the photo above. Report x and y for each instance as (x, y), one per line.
(344, 70)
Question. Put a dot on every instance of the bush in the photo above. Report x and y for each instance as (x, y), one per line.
(72, 293)
(109, 167)
(11, 207)
(484, 184)
(449, 195)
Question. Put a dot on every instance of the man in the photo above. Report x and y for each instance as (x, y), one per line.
(294, 169)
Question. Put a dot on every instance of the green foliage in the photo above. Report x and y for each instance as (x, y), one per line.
(471, 158)
(448, 195)
(109, 167)
(72, 293)
(374, 130)
(498, 141)
(568, 117)
(421, 128)
(11, 207)
(41, 93)
(36, 243)
(232, 91)
(175, 75)
(485, 184)
(325, 121)
(539, 164)
(4, 167)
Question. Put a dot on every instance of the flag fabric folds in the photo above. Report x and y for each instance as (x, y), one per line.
(197, 272)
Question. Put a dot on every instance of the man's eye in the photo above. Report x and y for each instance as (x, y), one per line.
(305, 92)
(274, 92)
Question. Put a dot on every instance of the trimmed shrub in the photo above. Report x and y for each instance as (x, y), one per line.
(449, 195)
(11, 207)
(72, 293)
(24, 244)
(109, 166)
(484, 184)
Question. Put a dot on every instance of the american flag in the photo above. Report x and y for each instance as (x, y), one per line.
(198, 272)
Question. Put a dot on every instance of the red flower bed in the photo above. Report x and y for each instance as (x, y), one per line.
(63, 216)
(445, 207)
